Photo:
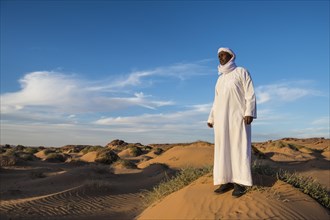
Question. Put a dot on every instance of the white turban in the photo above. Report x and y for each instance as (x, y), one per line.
(230, 65)
(226, 50)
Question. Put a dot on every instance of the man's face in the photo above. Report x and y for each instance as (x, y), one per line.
(224, 57)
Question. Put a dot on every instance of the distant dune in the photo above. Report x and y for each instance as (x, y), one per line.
(87, 182)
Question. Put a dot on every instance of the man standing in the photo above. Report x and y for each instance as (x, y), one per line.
(234, 108)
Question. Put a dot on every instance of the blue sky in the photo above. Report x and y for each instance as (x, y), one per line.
(88, 72)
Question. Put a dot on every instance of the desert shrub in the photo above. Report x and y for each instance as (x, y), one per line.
(117, 144)
(158, 151)
(7, 146)
(25, 156)
(41, 148)
(106, 156)
(20, 147)
(48, 151)
(90, 149)
(8, 161)
(177, 182)
(136, 151)
(146, 148)
(10, 152)
(31, 150)
(307, 185)
(2, 150)
(127, 164)
(55, 157)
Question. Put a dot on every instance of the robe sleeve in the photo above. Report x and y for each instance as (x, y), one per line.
(211, 118)
(211, 115)
(250, 98)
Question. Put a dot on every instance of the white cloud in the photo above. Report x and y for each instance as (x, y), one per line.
(56, 92)
(194, 114)
(285, 92)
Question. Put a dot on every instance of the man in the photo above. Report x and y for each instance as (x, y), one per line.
(233, 111)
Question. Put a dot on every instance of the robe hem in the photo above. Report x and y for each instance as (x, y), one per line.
(243, 182)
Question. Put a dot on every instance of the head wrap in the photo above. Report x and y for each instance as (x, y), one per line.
(230, 65)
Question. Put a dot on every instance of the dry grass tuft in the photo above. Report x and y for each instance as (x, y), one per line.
(307, 185)
(177, 182)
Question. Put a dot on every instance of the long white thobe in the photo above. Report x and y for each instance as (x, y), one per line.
(234, 99)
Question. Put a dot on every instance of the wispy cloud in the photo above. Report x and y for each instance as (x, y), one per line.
(70, 94)
(286, 91)
(194, 114)
(180, 71)
(322, 121)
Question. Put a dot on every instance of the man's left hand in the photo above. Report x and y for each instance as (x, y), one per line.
(248, 120)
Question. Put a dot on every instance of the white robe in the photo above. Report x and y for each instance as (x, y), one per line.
(234, 99)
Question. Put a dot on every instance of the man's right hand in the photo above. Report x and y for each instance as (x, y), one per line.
(210, 125)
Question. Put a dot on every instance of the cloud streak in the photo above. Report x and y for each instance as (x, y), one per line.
(195, 113)
(285, 92)
(180, 71)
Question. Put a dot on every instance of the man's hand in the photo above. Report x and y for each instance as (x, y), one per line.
(248, 120)
(210, 125)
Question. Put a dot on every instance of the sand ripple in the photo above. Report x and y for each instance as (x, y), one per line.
(73, 203)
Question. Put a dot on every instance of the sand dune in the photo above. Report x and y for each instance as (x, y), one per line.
(197, 201)
(80, 188)
(89, 157)
(198, 154)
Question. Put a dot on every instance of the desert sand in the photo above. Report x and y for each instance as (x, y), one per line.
(87, 182)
